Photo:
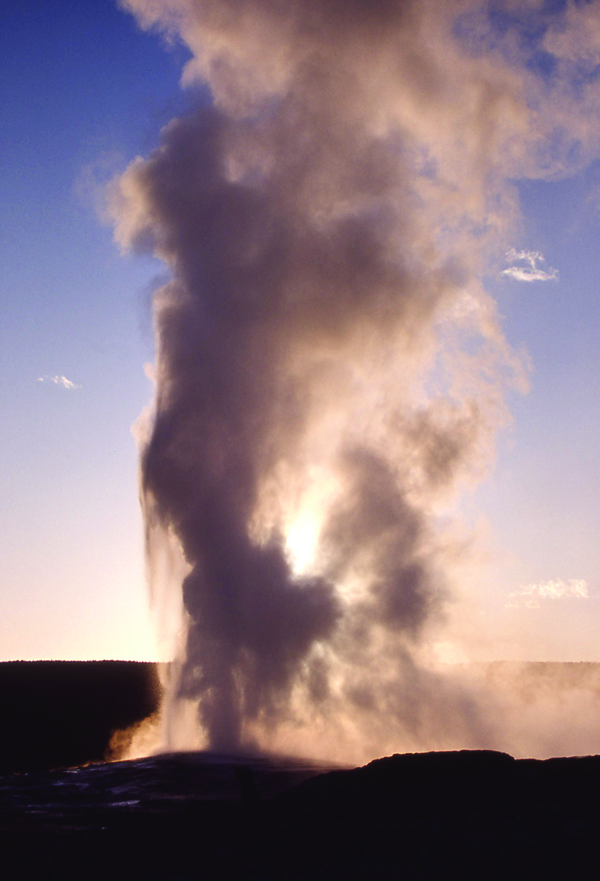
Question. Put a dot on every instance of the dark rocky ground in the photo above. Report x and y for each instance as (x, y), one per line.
(467, 815)
(464, 815)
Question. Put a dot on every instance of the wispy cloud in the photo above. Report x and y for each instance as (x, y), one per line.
(528, 266)
(59, 380)
(530, 594)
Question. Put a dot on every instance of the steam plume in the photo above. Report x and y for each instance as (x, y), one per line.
(330, 370)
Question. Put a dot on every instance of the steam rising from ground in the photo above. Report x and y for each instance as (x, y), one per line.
(330, 370)
(525, 709)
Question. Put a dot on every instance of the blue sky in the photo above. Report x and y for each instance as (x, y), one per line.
(542, 499)
(84, 91)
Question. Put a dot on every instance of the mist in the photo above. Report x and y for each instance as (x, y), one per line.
(331, 373)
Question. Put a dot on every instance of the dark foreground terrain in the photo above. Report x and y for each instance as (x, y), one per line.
(467, 815)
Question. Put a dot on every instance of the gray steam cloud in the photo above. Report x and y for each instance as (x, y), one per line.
(330, 371)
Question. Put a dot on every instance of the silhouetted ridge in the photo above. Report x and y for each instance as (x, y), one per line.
(407, 783)
(419, 817)
(63, 713)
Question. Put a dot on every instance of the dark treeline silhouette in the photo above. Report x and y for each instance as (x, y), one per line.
(56, 714)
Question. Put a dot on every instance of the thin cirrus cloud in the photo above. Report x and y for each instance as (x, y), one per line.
(59, 380)
(527, 266)
(531, 594)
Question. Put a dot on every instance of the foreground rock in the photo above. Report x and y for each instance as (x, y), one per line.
(479, 815)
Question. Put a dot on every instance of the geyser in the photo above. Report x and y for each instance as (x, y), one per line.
(330, 370)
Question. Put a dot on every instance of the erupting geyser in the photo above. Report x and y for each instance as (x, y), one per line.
(330, 370)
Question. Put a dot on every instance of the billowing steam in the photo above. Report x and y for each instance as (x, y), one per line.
(330, 370)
